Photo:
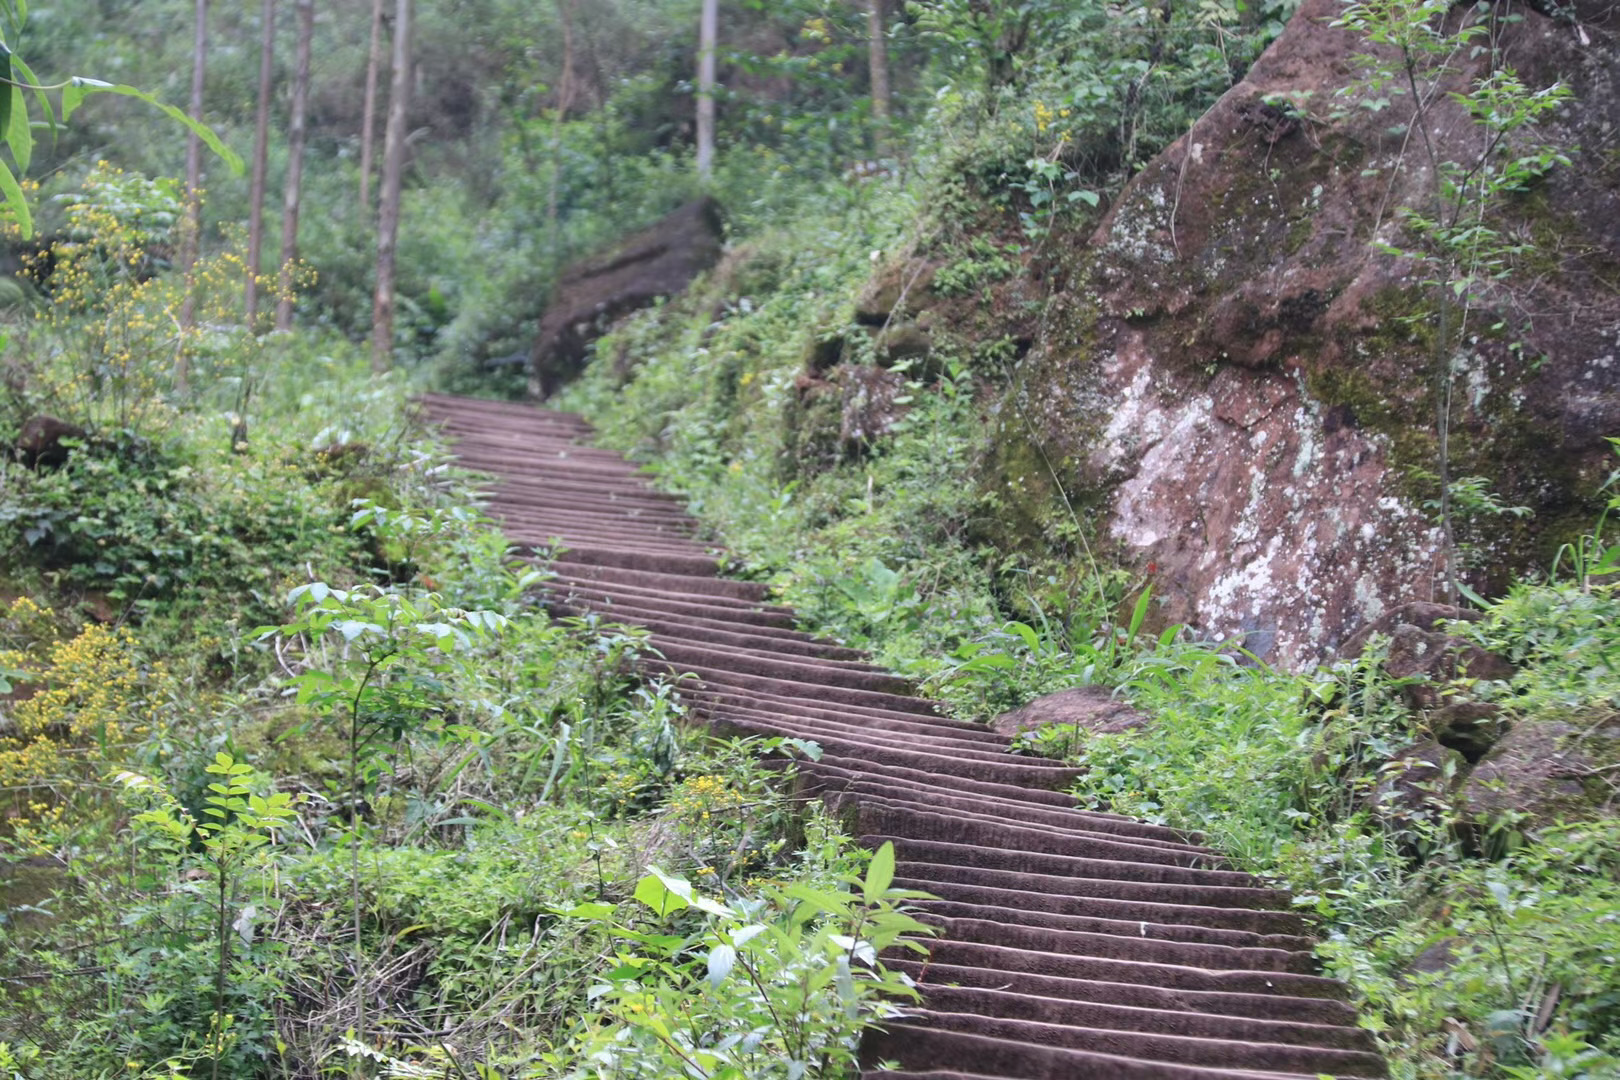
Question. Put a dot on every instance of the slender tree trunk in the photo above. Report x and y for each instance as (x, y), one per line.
(293, 194)
(878, 64)
(399, 91)
(565, 96)
(261, 156)
(368, 111)
(191, 236)
(708, 31)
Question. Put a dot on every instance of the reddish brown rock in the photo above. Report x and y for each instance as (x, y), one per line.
(1534, 776)
(899, 286)
(42, 444)
(1089, 708)
(1416, 781)
(1247, 394)
(870, 405)
(659, 261)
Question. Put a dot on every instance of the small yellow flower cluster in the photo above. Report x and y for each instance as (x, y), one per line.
(699, 797)
(620, 788)
(90, 704)
(10, 226)
(115, 330)
(1046, 116)
(25, 623)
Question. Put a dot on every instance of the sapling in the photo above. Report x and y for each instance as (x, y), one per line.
(388, 647)
(238, 822)
(1452, 226)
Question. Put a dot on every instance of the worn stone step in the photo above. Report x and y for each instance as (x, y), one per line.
(1128, 929)
(878, 815)
(949, 863)
(1301, 1010)
(1003, 809)
(929, 1048)
(1169, 878)
(1010, 1005)
(836, 767)
(750, 592)
(1035, 961)
(978, 767)
(670, 608)
(856, 675)
(690, 593)
(938, 742)
(1164, 1046)
(1144, 950)
(1051, 823)
(1248, 920)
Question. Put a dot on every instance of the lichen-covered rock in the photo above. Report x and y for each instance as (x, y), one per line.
(898, 287)
(1089, 708)
(1251, 386)
(1471, 728)
(870, 406)
(838, 415)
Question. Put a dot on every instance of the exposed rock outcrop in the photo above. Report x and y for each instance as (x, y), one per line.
(659, 261)
(1541, 773)
(1245, 382)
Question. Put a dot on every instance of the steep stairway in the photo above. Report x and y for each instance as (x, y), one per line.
(1073, 944)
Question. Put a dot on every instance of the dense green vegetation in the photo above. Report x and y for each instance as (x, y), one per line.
(295, 780)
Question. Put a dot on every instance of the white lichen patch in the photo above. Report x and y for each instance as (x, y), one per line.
(1282, 532)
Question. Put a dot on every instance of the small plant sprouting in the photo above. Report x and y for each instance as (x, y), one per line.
(238, 823)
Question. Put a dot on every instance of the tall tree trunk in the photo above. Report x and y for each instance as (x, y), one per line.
(368, 111)
(261, 156)
(293, 195)
(565, 98)
(878, 64)
(399, 91)
(708, 31)
(191, 236)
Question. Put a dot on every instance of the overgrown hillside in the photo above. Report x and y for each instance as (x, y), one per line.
(1052, 382)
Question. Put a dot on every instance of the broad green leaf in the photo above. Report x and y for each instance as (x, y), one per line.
(1139, 612)
(19, 136)
(880, 873)
(1024, 633)
(722, 958)
(748, 933)
(79, 88)
(818, 899)
(13, 195)
(652, 891)
(7, 102)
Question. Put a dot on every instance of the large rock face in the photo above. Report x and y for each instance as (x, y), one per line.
(1245, 382)
(659, 261)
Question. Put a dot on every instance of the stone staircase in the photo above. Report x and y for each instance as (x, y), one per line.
(1073, 944)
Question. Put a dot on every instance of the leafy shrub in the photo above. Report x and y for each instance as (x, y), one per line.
(791, 976)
